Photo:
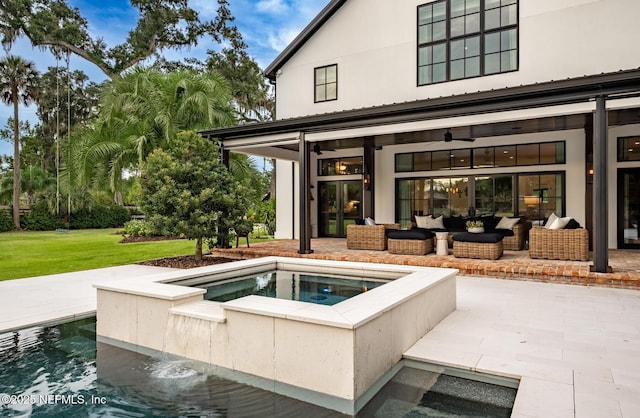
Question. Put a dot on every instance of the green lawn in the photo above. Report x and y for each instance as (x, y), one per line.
(28, 254)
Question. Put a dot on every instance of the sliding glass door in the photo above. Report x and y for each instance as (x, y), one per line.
(628, 207)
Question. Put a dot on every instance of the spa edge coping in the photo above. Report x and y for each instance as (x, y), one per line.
(348, 314)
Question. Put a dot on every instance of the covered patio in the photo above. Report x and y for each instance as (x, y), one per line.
(514, 265)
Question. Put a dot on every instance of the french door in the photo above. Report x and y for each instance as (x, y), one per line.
(339, 204)
(628, 207)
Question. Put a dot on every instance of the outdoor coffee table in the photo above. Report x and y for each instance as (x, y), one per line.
(487, 246)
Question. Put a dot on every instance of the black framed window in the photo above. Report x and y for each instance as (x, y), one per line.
(489, 157)
(340, 166)
(326, 83)
(629, 148)
(460, 39)
(533, 195)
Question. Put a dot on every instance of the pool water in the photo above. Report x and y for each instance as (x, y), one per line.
(319, 289)
(60, 371)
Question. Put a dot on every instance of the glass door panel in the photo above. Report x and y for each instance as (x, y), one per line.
(628, 208)
(340, 204)
(327, 209)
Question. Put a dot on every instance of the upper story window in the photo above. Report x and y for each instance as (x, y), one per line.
(466, 38)
(326, 83)
(629, 148)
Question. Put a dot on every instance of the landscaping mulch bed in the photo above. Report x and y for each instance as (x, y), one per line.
(186, 262)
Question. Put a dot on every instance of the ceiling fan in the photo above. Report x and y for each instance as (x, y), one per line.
(448, 137)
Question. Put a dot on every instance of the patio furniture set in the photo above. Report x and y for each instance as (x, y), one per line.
(545, 242)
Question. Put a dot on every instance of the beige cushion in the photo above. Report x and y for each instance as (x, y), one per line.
(507, 223)
(559, 223)
(421, 221)
(435, 223)
(551, 220)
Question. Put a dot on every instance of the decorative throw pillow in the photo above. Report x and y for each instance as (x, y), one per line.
(421, 221)
(507, 223)
(369, 221)
(560, 223)
(573, 224)
(551, 219)
(435, 223)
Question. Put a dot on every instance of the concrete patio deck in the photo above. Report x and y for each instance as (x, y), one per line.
(625, 264)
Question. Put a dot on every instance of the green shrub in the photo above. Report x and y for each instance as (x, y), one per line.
(6, 220)
(102, 216)
(139, 228)
(41, 219)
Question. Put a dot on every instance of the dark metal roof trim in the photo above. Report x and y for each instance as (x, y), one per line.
(573, 90)
(324, 15)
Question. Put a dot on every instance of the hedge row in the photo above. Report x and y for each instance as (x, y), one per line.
(40, 218)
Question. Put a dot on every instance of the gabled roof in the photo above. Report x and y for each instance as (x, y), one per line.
(302, 38)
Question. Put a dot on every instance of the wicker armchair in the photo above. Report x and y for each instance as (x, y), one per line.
(519, 238)
(559, 244)
(368, 237)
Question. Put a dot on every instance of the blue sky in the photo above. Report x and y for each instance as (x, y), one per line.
(267, 27)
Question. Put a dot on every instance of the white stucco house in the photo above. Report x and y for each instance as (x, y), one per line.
(378, 101)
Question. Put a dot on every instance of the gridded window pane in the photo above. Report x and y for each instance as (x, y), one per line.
(332, 74)
(404, 163)
(424, 56)
(492, 19)
(528, 154)
(629, 149)
(505, 156)
(422, 161)
(509, 15)
(425, 15)
(508, 39)
(472, 67)
(425, 34)
(460, 158)
(332, 91)
(439, 31)
(424, 75)
(440, 160)
(457, 69)
(320, 94)
(492, 43)
(552, 153)
(492, 64)
(457, 49)
(457, 26)
(321, 76)
(439, 73)
(508, 61)
(483, 157)
(457, 8)
(472, 23)
(439, 53)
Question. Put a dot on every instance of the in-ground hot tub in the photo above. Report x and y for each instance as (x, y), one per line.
(336, 356)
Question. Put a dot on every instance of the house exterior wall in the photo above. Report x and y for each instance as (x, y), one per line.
(374, 44)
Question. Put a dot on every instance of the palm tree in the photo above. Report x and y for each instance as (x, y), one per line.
(141, 111)
(19, 82)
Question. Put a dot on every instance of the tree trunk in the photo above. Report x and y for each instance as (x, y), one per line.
(199, 248)
(16, 162)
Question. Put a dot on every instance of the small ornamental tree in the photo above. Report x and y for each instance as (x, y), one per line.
(186, 190)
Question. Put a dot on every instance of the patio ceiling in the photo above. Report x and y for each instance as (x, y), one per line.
(391, 124)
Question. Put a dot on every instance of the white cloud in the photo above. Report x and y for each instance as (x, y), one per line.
(275, 7)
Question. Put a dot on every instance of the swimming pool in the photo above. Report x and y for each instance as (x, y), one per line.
(305, 287)
(61, 371)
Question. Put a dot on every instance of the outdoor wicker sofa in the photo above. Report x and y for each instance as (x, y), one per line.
(559, 244)
(368, 237)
